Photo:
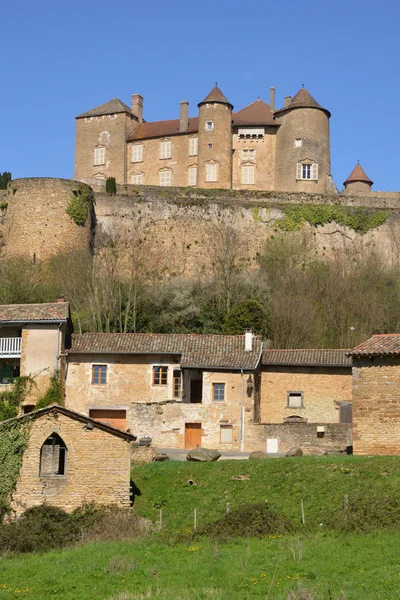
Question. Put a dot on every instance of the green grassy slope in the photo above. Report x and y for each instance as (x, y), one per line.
(321, 482)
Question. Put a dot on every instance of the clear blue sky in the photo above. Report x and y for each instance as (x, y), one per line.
(62, 58)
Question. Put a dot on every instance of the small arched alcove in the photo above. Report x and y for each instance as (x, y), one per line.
(53, 456)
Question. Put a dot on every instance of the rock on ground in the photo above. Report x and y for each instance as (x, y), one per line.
(203, 455)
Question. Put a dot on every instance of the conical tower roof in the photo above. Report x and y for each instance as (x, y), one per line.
(216, 96)
(358, 174)
(302, 99)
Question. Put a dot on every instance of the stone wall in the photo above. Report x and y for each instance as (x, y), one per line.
(376, 405)
(322, 388)
(336, 437)
(97, 467)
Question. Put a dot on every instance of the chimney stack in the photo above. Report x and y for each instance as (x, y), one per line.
(137, 107)
(248, 341)
(184, 116)
(272, 99)
(286, 101)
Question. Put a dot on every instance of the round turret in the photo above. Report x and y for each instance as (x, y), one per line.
(302, 145)
(215, 141)
(358, 181)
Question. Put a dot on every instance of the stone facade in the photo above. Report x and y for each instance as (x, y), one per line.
(312, 438)
(323, 389)
(97, 466)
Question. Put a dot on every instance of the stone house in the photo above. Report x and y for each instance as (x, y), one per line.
(32, 342)
(180, 390)
(258, 147)
(376, 395)
(72, 459)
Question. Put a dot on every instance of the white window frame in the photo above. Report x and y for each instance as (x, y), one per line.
(192, 176)
(209, 126)
(211, 172)
(165, 178)
(99, 157)
(137, 179)
(307, 171)
(248, 174)
(165, 149)
(248, 154)
(137, 153)
(193, 146)
(295, 400)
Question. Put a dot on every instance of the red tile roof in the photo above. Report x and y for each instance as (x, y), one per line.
(112, 107)
(302, 99)
(380, 344)
(196, 350)
(307, 358)
(158, 129)
(256, 113)
(22, 313)
(215, 96)
(358, 174)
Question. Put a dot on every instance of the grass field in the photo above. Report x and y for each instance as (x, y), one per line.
(166, 565)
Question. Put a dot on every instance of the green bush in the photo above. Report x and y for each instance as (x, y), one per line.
(248, 314)
(111, 185)
(367, 513)
(80, 205)
(5, 178)
(53, 393)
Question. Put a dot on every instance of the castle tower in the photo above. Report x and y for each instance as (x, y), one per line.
(215, 141)
(358, 181)
(101, 134)
(302, 162)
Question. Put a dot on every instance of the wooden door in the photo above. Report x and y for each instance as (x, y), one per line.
(115, 418)
(192, 435)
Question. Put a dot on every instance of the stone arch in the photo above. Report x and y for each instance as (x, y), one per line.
(53, 456)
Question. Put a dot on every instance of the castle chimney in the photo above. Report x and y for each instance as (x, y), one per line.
(286, 101)
(137, 107)
(184, 116)
(272, 99)
(248, 341)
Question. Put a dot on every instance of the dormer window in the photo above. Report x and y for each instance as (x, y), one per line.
(209, 125)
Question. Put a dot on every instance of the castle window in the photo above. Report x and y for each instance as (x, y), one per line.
(209, 146)
(165, 149)
(307, 170)
(165, 178)
(248, 154)
(209, 125)
(137, 179)
(99, 156)
(211, 172)
(193, 146)
(248, 175)
(192, 176)
(294, 399)
(297, 142)
(99, 374)
(53, 456)
(137, 153)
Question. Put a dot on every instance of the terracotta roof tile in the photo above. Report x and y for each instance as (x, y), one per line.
(256, 113)
(382, 344)
(196, 350)
(21, 313)
(358, 174)
(302, 99)
(157, 129)
(216, 96)
(109, 108)
(307, 358)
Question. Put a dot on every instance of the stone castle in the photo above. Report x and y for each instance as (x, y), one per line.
(258, 147)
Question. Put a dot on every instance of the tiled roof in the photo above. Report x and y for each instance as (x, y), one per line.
(302, 99)
(21, 313)
(256, 113)
(382, 344)
(307, 358)
(215, 96)
(109, 108)
(196, 350)
(162, 129)
(56, 408)
(358, 174)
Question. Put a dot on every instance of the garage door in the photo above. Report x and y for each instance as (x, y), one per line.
(115, 418)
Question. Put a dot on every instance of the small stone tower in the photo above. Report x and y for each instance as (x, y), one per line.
(302, 160)
(358, 181)
(101, 134)
(214, 168)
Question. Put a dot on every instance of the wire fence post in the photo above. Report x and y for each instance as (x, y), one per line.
(303, 518)
(228, 508)
(195, 519)
(161, 523)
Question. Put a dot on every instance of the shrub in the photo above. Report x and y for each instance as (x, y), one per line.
(53, 393)
(80, 205)
(249, 520)
(111, 185)
(367, 513)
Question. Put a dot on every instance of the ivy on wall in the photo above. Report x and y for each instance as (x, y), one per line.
(14, 438)
(360, 219)
(53, 393)
(11, 400)
(80, 204)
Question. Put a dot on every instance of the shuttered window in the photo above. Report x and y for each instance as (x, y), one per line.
(247, 175)
(295, 399)
(137, 179)
(165, 177)
(211, 172)
(165, 149)
(193, 146)
(99, 156)
(307, 171)
(193, 176)
(248, 154)
(137, 153)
